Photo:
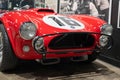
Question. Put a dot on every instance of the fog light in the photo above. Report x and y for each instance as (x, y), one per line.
(26, 48)
(103, 40)
(38, 44)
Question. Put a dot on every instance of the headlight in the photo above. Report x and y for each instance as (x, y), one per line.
(106, 29)
(28, 30)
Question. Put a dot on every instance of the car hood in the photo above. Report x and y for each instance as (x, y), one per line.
(49, 22)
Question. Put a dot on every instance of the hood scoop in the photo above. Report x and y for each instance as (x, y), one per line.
(46, 10)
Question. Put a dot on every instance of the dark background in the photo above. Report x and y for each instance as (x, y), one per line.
(113, 55)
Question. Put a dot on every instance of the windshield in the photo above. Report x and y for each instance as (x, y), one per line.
(15, 4)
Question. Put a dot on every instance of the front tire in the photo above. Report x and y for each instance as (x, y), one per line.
(8, 60)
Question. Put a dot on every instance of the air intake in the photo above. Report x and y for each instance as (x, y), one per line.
(74, 40)
(46, 10)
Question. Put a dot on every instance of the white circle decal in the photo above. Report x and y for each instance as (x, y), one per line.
(63, 22)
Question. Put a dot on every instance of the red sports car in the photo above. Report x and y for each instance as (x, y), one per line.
(29, 30)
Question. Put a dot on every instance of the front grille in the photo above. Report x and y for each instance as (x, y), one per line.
(70, 41)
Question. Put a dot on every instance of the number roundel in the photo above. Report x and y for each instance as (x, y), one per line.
(63, 22)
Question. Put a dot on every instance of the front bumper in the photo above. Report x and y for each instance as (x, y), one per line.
(42, 49)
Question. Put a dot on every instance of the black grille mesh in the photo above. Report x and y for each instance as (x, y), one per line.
(69, 41)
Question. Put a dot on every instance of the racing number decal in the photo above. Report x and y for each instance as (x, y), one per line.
(69, 21)
(63, 22)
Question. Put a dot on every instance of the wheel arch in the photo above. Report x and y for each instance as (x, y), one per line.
(9, 34)
(8, 58)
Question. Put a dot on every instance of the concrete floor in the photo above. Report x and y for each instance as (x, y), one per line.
(97, 70)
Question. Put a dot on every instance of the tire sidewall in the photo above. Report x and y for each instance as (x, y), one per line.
(9, 60)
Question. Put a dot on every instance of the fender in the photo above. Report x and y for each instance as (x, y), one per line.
(8, 31)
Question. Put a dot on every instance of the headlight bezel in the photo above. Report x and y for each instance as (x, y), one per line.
(106, 29)
(28, 30)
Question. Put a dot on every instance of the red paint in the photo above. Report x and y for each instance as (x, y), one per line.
(13, 20)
